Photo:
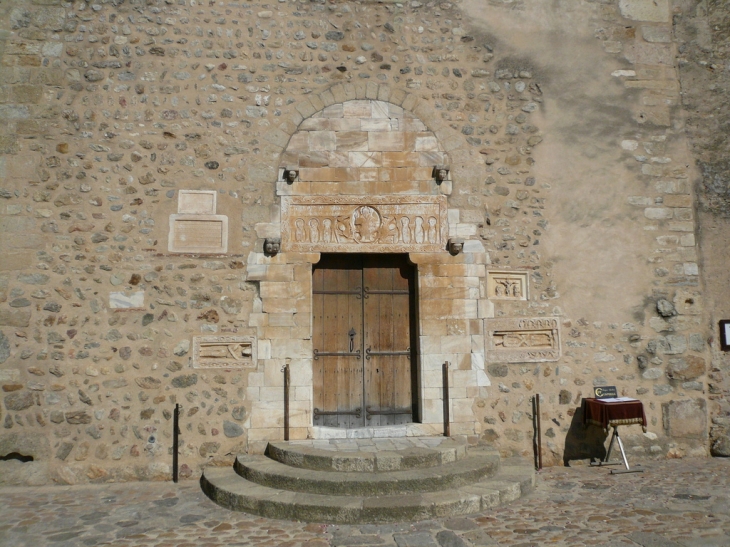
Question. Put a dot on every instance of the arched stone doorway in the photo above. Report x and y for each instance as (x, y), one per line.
(367, 178)
(365, 188)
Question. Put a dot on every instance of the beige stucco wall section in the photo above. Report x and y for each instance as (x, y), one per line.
(596, 238)
(621, 234)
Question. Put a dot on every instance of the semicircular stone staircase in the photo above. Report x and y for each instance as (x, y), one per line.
(369, 481)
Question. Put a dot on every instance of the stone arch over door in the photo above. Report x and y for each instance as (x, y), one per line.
(364, 147)
(312, 105)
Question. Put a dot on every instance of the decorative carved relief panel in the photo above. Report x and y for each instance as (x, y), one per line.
(364, 224)
(503, 285)
(523, 340)
(224, 351)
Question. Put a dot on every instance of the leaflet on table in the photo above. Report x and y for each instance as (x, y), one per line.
(618, 400)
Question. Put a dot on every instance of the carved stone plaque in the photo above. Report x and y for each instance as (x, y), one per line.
(357, 224)
(198, 234)
(196, 202)
(506, 285)
(224, 351)
(523, 340)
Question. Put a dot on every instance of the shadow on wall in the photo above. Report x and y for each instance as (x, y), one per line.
(583, 441)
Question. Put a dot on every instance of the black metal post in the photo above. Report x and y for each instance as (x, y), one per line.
(175, 440)
(539, 432)
(447, 418)
(286, 401)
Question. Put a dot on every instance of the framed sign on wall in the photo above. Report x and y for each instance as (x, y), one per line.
(725, 335)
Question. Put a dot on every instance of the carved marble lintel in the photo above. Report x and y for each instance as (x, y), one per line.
(523, 340)
(364, 224)
(224, 352)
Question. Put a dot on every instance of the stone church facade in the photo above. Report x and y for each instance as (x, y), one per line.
(197, 196)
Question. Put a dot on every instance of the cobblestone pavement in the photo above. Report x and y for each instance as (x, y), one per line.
(673, 503)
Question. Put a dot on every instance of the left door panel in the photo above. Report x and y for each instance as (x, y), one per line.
(337, 339)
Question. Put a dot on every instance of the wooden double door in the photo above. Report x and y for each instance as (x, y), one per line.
(364, 340)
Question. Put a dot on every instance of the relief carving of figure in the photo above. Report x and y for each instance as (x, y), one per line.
(225, 351)
(313, 230)
(405, 230)
(508, 287)
(327, 230)
(299, 235)
(432, 234)
(419, 230)
(365, 223)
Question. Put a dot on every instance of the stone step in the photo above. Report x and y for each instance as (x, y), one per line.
(476, 466)
(226, 488)
(435, 452)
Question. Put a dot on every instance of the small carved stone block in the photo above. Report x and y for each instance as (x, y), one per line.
(290, 174)
(503, 285)
(523, 340)
(224, 352)
(440, 173)
(272, 246)
(455, 246)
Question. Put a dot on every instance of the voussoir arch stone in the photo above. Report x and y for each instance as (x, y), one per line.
(362, 140)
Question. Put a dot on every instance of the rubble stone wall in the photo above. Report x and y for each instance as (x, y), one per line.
(702, 34)
(569, 170)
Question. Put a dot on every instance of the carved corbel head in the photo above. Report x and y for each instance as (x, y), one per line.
(455, 246)
(440, 173)
(290, 174)
(272, 246)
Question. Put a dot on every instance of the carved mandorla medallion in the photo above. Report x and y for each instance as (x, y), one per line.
(364, 224)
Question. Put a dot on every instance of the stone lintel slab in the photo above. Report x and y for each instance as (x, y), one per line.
(364, 223)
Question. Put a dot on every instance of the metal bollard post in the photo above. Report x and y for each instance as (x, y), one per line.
(175, 440)
(447, 418)
(285, 370)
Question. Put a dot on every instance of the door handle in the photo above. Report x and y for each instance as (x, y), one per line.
(352, 334)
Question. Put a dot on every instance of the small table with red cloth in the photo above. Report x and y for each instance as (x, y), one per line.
(613, 413)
